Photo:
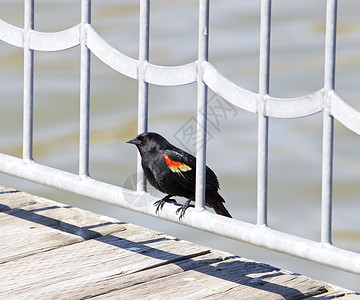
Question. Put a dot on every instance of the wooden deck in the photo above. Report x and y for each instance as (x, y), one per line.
(53, 251)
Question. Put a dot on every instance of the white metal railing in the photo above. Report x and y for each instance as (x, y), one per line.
(206, 76)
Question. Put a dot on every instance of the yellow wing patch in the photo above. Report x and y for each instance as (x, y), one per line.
(176, 166)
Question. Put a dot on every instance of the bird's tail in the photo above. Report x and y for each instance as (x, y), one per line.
(219, 207)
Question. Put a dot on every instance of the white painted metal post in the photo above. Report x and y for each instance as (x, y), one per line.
(201, 106)
(328, 123)
(143, 87)
(263, 120)
(28, 82)
(84, 91)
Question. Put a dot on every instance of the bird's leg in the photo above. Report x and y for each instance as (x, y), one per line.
(160, 203)
(183, 208)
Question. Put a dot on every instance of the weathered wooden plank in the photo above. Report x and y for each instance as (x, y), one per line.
(45, 225)
(230, 279)
(11, 198)
(100, 265)
(54, 251)
(73, 287)
(337, 293)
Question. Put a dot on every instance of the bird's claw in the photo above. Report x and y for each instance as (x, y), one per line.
(183, 208)
(160, 203)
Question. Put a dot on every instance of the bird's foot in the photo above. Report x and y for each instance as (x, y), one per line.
(183, 208)
(160, 203)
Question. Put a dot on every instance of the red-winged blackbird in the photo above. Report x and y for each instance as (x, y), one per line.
(172, 171)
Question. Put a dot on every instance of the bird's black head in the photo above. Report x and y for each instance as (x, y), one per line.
(148, 142)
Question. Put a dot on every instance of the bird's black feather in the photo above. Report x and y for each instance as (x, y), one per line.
(173, 172)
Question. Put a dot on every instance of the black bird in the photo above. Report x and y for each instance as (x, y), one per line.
(172, 171)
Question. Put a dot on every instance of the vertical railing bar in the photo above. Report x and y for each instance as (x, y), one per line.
(263, 120)
(84, 92)
(201, 106)
(143, 87)
(328, 123)
(28, 82)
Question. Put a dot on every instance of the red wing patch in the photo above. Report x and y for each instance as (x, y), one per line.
(176, 166)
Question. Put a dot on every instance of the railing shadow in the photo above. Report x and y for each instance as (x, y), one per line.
(231, 269)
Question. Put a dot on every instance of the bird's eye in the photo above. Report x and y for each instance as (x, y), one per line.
(143, 139)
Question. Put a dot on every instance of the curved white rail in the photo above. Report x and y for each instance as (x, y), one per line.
(344, 113)
(11, 34)
(54, 41)
(180, 75)
(170, 76)
(228, 90)
(109, 55)
(294, 107)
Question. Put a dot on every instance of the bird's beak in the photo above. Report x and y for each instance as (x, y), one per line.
(134, 141)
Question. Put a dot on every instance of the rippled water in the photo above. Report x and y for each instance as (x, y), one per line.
(294, 145)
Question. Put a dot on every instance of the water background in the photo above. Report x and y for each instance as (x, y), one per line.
(297, 57)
